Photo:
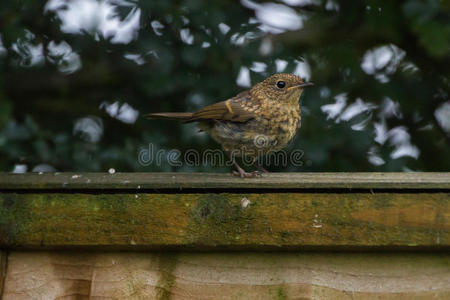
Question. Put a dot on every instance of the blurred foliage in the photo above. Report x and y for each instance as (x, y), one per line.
(187, 54)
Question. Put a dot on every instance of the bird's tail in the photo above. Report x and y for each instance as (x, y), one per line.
(182, 116)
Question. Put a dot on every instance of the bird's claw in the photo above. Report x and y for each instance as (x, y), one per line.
(244, 174)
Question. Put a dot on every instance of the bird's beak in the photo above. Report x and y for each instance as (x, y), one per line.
(305, 84)
(301, 85)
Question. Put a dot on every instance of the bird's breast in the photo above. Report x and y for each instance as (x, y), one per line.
(283, 123)
(270, 130)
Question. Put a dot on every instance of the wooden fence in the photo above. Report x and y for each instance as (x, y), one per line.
(214, 236)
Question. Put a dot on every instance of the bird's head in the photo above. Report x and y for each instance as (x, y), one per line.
(281, 87)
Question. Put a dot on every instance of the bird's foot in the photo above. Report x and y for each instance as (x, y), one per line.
(241, 173)
(260, 168)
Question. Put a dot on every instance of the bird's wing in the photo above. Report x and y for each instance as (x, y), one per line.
(230, 110)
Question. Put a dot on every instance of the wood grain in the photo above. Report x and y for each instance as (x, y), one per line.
(182, 181)
(3, 263)
(238, 221)
(48, 275)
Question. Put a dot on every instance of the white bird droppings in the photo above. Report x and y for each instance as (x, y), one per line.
(245, 202)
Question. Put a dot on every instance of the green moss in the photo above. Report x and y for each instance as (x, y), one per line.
(216, 208)
(39, 219)
(281, 293)
(217, 217)
(384, 202)
(284, 235)
(167, 265)
(15, 216)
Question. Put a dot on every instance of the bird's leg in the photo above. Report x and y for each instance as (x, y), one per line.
(259, 167)
(241, 172)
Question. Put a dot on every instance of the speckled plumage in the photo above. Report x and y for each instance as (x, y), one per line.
(269, 130)
(255, 122)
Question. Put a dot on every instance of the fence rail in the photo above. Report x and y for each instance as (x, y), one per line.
(342, 236)
(217, 211)
(137, 181)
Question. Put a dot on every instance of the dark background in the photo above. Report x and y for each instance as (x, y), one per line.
(63, 66)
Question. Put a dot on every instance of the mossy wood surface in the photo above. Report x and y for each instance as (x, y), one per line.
(203, 221)
(134, 181)
(108, 212)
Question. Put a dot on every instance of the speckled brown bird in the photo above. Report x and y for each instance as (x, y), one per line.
(253, 123)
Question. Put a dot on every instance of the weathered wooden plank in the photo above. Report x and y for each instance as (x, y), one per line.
(3, 262)
(225, 221)
(135, 181)
(50, 275)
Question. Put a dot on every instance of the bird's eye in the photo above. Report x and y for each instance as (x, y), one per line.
(281, 84)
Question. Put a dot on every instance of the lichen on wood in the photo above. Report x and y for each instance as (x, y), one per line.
(196, 221)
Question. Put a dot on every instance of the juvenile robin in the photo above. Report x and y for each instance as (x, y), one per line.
(253, 123)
